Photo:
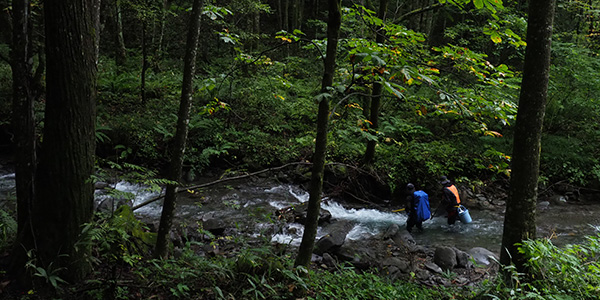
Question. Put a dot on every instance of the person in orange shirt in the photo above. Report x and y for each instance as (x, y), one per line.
(450, 198)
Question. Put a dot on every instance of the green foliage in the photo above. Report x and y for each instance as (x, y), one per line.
(447, 108)
(571, 139)
(5, 88)
(8, 230)
(120, 110)
(50, 274)
(568, 157)
(571, 272)
(117, 239)
(347, 283)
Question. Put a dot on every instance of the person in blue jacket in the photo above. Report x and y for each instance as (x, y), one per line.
(411, 209)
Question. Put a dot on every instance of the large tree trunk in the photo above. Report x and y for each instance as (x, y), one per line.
(23, 120)
(519, 221)
(64, 191)
(178, 149)
(376, 93)
(316, 182)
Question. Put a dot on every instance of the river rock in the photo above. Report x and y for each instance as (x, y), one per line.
(445, 257)
(334, 238)
(433, 267)
(401, 265)
(482, 256)
(463, 259)
(214, 225)
(543, 205)
(390, 232)
(362, 255)
(111, 204)
(329, 261)
(100, 185)
(558, 200)
(422, 274)
(404, 239)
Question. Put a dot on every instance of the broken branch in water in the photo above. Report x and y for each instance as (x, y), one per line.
(180, 190)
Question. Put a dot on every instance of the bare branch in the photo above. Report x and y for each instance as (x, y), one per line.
(184, 189)
(418, 11)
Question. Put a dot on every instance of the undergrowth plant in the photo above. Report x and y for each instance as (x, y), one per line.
(572, 272)
(8, 230)
(348, 283)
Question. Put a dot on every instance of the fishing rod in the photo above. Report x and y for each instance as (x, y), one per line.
(436, 210)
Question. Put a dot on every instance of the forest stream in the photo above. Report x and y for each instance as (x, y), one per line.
(248, 205)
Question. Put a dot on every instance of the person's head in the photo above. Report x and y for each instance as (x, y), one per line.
(444, 181)
(410, 188)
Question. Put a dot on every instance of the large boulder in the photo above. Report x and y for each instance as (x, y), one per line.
(335, 237)
(445, 257)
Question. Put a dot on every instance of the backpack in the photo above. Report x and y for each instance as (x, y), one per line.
(422, 203)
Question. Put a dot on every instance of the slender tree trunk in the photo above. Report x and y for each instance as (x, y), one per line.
(300, 16)
(519, 220)
(183, 119)
(64, 192)
(377, 90)
(96, 23)
(144, 61)
(23, 120)
(280, 14)
(316, 182)
(163, 20)
(120, 50)
(286, 14)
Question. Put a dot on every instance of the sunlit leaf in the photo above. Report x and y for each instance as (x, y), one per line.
(496, 38)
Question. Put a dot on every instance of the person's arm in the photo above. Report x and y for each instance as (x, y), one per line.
(447, 196)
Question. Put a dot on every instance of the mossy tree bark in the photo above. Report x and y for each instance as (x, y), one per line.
(316, 182)
(64, 192)
(519, 220)
(183, 119)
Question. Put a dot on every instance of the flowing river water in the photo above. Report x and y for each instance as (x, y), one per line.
(239, 204)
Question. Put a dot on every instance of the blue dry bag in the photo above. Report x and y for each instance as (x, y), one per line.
(422, 202)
